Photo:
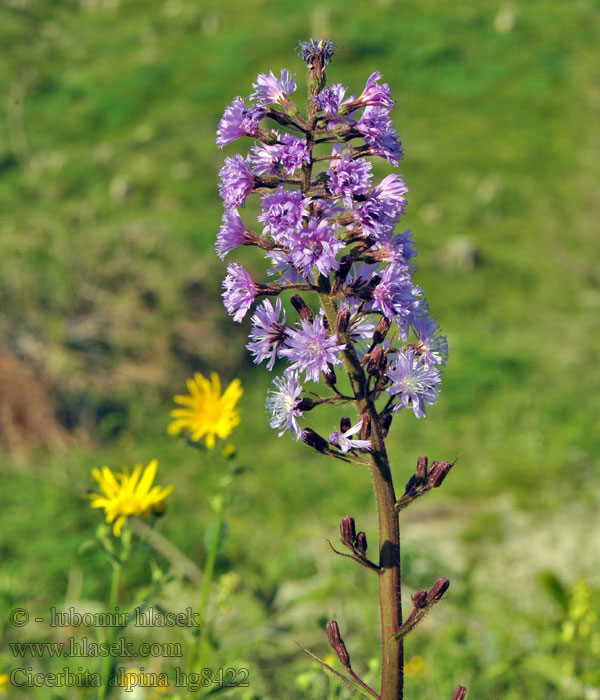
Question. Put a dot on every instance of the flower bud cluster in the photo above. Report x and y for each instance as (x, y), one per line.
(325, 226)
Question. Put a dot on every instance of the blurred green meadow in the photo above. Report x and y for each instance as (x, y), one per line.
(110, 298)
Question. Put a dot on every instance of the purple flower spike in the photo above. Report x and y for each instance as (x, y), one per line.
(284, 404)
(233, 233)
(236, 181)
(348, 178)
(240, 291)
(237, 121)
(343, 441)
(315, 246)
(268, 332)
(310, 350)
(413, 381)
(271, 90)
(376, 95)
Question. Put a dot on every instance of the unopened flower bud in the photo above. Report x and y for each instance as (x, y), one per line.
(306, 404)
(300, 305)
(342, 320)
(365, 428)
(439, 588)
(337, 643)
(330, 377)
(314, 440)
(421, 472)
(420, 598)
(347, 530)
(438, 472)
(377, 362)
(361, 543)
(342, 272)
(381, 329)
(345, 424)
(459, 693)
(386, 424)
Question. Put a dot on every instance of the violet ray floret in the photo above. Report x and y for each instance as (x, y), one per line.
(237, 181)
(283, 404)
(232, 233)
(316, 245)
(413, 381)
(374, 94)
(431, 345)
(268, 332)
(271, 90)
(238, 121)
(310, 350)
(346, 443)
(240, 291)
(348, 178)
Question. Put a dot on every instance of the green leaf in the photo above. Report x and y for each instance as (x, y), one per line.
(348, 682)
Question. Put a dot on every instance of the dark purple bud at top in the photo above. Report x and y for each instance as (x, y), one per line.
(300, 305)
(419, 598)
(381, 330)
(386, 424)
(459, 693)
(348, 530)
(341, 325)
(439, 588)
(365, 430)
(421, 472)
(314, 440)
(361, 543)
(345, 424)
(316, 51)
(438, 472)
(342, 272)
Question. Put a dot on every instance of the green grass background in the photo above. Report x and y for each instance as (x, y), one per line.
(110, 288)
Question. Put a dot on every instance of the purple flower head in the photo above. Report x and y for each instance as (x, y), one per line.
(348, 178)
(289, 155)
(232, 233)
(396, 297)
(317, 49)
(282, 212)
(310, 350)
(240, 291)
(376, 95)
(330, 99)
(431, 345)
(381, 137)
(397, 250)
(315, 246)
(284, 403)
(391, 190)
(237, 121)
(236, 181)
(271, 90)
(413, 381)
(268, 332)
(344, 441)
(377, 217)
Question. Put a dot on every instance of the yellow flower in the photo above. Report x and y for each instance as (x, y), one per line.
(127, 494)
(206, 412)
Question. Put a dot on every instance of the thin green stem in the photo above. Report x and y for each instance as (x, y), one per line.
(112, 604)
(196, 650)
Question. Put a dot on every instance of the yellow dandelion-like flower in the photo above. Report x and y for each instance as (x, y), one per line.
(128, 494)
(206, 412)
(4, 678)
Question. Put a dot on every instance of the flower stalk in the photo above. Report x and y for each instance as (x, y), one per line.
(329, 231)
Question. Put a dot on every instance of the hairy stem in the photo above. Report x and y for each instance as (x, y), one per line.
(390, 603)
